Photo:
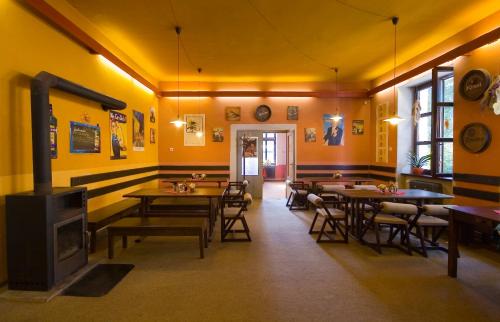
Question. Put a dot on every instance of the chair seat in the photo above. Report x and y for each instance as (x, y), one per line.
(387, 219)
(436, 210)
(300, 192)
(336, 213)
(332, 187)
(430, 221)
(328, 195)
(232, 212)
(234, 192)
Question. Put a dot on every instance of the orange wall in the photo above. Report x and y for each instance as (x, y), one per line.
(311, 111)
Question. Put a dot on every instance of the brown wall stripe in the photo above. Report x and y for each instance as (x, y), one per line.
(185, 175)
(477, 194)
(78, 181)
(194, 167)
(118, 186)
(344, 167)
(475, 178)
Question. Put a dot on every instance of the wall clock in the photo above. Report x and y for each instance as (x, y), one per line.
(474, 84)
(475, 137)
(263, 113)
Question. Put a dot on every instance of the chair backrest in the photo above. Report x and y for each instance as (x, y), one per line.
(435, 210)
(365, 187)
(247, 198)
(331, 187)
(398, 208)
(315, 200)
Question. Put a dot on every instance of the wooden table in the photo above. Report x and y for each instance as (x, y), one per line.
(356, 197)
(315, 180)
(148, 195)
(465, 215)
(218, 181)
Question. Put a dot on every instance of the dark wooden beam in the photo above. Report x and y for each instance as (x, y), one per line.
(316, 94)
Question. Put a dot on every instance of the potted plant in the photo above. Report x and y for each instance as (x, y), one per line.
(417, 164)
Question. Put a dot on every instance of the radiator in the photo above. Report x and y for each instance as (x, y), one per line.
(425, 185)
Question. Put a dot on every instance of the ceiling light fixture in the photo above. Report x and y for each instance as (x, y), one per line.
(337, 117)
(394, 119)
(178, 122)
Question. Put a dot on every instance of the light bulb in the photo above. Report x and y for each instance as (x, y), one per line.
(394, 120)
(336, 118)
(178, 123)
(199, 134)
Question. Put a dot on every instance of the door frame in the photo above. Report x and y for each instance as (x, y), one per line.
(256, 127)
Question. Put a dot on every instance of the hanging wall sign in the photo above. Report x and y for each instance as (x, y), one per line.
(118, 127)
(85, 138)
(475, 137)
(474, 84)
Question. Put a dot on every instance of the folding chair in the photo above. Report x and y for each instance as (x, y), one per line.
(335, 218)
(298, 196)
(233, 213)
(430, 218)
(328, 191)
(235, 190)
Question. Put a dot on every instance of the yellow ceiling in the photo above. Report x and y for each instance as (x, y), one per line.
(233, 43)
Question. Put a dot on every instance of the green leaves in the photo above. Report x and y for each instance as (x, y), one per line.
(416, 162)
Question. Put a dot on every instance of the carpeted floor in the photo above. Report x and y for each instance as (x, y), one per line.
(283, 275)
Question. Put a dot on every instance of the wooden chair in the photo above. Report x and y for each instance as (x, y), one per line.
(333, 216)
(386, 214)
(328, 191)
(234, 212)
(235, 190)
(298, 196)
(431, 218)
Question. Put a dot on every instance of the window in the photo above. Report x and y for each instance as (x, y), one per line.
(434, 131)
(269, 148)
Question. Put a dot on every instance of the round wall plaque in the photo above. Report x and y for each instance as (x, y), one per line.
(474, 84)
(263, 113)
(475, 137)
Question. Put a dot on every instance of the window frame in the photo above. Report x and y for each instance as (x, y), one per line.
(437, 89)
(266, 139)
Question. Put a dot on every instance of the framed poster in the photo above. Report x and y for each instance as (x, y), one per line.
(218, 134)
(382, 134)
(250, 158)
(84, 138)
(194, 130)
(233, 113)
(152, 135)
(358, 127)
(333, 131)
(152, 115)
(118, 128)
(310, 134)
(292, 113)
(138, 131)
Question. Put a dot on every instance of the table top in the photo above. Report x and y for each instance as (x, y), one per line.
(207, 192)
(195, 180)
(332, 179)
(401, 194)
(483, 212)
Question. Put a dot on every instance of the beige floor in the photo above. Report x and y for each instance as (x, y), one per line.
(273, 190)
(283, 275)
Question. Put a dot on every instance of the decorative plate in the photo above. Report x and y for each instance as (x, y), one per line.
(263, 113)
(474, 84)
(475, 137)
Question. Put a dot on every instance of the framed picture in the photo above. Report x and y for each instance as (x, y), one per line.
(292, 113)
(138, 131)
(152, 115)
(358, 127)
(84, 138)
(118, 127)
(152, 135)
(310, 134)
(233, 113)
(333, 131)
(194, 130)
(217, 134)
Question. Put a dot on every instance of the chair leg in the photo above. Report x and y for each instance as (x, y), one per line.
(288, 200)
(422, 241)
(247, 230)
(321, 231)
(311, 230)
(407, 232)
(377, 235)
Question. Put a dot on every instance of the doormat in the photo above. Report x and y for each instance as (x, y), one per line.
(99, 281)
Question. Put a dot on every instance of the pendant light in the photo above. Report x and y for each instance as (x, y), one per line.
(337, 117)
(394, 118)
(199, 133)
(178, 122)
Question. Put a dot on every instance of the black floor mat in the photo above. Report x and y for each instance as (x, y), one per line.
(99, 281)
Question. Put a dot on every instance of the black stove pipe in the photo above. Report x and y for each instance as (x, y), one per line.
(40, 118)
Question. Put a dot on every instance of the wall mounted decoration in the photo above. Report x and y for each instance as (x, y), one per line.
(118, 128)
(333, 130)
(491, 98)
(475, 137)
(217, 134)
(382, 134)
(152, 115)
(53, 134)
(194, 130)
(262, 113)
(152, 135)
(474, 83)
(233, 113)
(358, 127)
(310, 134)
(416, 112)
(292, 113)
(84, 138)
(138, 131)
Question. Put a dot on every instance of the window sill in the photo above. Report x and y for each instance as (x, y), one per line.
(426, 176)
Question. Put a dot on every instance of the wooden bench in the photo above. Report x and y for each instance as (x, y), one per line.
(158, 226)
(102, 217)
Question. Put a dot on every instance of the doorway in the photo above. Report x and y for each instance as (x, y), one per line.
(263, 154)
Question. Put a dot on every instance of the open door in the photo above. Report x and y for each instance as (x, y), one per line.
(290, 158)
(249, 160)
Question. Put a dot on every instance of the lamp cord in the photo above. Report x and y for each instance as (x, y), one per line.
(395, 23)
(178, 73)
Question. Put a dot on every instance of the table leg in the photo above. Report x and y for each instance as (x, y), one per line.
(110, 245)
(201, 242)
(453, 245)
(353, 217)
(359, 220)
